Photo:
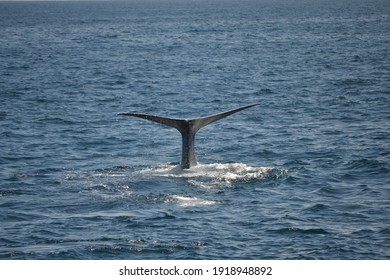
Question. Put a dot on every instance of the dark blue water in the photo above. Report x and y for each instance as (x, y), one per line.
(304, 175)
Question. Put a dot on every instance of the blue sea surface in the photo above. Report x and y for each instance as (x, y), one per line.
(303, 175)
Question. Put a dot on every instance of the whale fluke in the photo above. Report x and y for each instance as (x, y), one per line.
(188, 129)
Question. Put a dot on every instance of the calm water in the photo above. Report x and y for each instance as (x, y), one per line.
(305, 175)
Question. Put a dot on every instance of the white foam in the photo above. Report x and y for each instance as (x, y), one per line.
(223, 172)
(214, 176)
(186, 201)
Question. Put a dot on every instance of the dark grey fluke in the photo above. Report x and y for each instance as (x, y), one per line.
(188, 129)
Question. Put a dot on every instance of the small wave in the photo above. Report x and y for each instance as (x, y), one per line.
(7, 193)
(319, 207)
(3, 115)
(300, 231)
(367, 165)
(56, 121)
(118, 171)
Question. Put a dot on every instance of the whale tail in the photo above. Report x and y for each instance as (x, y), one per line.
(188, 129)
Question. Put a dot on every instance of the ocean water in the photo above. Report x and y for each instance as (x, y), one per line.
(304, 175)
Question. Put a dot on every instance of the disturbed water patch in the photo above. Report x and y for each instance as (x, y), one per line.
(215, 175)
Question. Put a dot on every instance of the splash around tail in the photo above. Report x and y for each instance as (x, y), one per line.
(215, 175)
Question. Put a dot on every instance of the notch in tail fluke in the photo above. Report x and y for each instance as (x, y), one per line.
(188, 129)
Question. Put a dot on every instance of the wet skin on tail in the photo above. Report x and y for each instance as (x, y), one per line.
(188, 129)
